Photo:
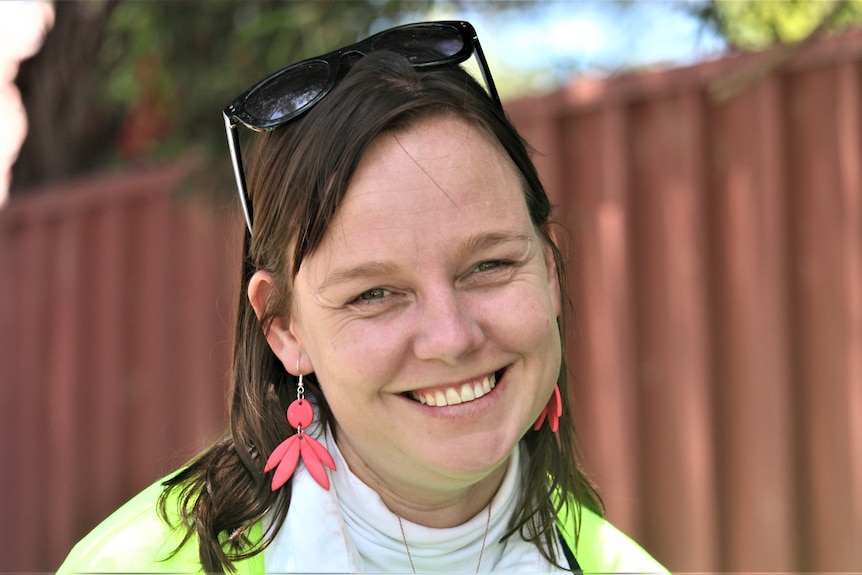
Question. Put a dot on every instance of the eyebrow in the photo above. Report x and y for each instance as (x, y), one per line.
(491, 239)
(375, 269)
(361, 272)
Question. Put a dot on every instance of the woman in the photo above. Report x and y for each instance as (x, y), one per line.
(403, 302)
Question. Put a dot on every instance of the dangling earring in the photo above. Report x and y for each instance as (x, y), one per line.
(300, 414)
(553, 410)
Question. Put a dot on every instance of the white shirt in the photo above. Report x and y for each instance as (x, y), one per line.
(348, 529)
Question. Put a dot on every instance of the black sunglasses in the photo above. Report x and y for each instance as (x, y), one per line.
(292, 91)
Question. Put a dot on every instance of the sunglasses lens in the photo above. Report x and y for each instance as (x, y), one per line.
(289, 92)
(422, 44)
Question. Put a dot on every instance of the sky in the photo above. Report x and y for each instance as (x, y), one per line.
(565, 38)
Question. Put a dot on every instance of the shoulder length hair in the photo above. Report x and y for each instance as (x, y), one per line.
(298, 178)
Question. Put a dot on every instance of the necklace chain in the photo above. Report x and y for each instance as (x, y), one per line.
(481, 551)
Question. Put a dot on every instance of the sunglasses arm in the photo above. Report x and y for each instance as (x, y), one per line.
(486, 71)
(239, 174)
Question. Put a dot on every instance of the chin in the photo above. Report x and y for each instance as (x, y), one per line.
(479, 455)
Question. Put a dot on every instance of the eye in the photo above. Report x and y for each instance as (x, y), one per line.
(489, 265)
(489, 273)
(371, 295)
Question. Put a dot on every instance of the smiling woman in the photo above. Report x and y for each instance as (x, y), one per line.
(427, 316)
(403, 304)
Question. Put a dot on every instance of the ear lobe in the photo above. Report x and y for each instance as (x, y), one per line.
(279, 335)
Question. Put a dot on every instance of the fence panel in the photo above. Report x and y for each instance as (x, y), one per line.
(116, 297)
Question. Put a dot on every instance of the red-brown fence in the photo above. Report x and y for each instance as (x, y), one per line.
(116, 298)
(716, 219)
(715, 225)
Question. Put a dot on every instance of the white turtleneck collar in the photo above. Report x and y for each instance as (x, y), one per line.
(348, 529)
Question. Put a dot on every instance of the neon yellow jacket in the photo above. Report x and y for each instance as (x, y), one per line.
(134, 539)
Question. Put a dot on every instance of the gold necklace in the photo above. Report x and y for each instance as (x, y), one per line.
(481, 551)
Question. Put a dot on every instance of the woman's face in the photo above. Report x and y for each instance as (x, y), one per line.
(429, 312)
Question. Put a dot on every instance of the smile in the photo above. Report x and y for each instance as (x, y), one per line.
(463, 393)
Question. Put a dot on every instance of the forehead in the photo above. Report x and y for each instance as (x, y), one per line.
(424, 192)
(440, 166)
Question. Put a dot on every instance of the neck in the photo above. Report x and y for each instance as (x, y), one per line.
(436, 500)
(443, 510)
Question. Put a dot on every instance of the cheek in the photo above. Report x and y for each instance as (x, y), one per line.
(526, 316)
(358, 357)
(530, 329)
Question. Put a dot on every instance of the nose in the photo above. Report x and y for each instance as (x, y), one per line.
(447, 329)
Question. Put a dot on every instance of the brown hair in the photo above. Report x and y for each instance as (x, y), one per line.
(298, 177)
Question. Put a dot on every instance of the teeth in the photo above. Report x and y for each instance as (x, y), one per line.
(453, 396)
(488, 383)
(478, 390)
(467, 393)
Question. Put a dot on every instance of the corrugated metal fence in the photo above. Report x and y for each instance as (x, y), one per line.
(715, 227)
(116, 298)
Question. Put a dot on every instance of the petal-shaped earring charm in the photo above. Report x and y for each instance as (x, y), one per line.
(552, 411)
(284, 458)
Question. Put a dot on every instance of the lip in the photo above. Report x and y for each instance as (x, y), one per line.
(457, 396)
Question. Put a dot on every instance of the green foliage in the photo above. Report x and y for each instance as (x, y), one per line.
(180, 63)
(754, 25)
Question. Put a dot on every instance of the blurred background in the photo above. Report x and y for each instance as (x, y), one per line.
(704, 156)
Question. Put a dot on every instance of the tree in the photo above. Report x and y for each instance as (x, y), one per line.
(119, 82)
(754, 25)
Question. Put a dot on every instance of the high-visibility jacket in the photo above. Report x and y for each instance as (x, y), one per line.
(134, 539)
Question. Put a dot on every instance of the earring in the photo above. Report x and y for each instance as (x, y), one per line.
(552, 411)
(284, 458)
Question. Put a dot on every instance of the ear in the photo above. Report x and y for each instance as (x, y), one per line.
(553, 276)
(279, 334)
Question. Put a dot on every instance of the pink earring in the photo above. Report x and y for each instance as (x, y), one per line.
(553, 410)
(284, 458)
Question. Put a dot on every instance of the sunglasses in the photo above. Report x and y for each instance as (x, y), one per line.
(292, 91)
